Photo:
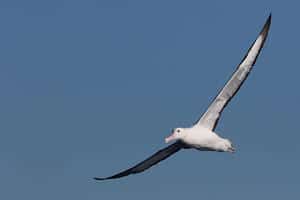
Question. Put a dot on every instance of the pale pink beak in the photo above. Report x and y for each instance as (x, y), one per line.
(170, 138)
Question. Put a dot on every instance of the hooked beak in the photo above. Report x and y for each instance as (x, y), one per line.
(170, 138)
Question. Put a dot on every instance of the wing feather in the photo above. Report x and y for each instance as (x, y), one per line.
(211, 117)
(146, 164)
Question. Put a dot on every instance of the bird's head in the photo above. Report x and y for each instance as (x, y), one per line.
(177, 134)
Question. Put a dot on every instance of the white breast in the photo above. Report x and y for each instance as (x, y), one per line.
(200, 137)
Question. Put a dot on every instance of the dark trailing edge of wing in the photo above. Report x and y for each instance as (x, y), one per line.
(149, 162)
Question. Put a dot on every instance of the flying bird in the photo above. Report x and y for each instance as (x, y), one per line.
(201, 135)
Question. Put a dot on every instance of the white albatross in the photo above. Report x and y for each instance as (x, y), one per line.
(201, 135)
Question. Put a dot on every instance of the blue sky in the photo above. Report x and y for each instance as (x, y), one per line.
(91, 87)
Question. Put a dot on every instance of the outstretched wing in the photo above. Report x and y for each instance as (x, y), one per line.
(146, 164)
(210, 118)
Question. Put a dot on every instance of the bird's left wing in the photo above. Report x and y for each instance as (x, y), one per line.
(146, 164)
(210, 118)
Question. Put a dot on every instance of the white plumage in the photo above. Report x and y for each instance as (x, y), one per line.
(201, 135)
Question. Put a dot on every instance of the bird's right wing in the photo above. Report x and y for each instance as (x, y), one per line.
(211, 117)
(146, 164)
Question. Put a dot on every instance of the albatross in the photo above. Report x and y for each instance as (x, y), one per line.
(201, 135)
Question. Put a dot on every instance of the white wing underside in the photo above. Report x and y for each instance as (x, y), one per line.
(210, 118)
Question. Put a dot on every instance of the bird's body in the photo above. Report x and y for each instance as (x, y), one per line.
(201, 135)
(202, 138)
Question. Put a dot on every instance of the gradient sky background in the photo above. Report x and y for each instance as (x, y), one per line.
(89, 88)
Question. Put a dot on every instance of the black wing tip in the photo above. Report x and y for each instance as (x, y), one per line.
(265, 29)
(99, 179)
(270, 16)
(269, 19)
(268, 22)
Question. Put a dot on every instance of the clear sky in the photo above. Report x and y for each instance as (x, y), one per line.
(91, 87)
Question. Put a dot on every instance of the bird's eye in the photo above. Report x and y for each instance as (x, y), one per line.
(178, 131)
